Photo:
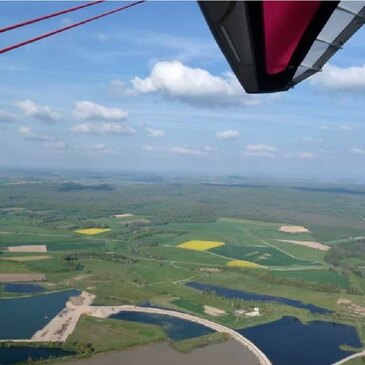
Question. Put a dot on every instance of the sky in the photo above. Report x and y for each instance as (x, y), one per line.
(149, 90)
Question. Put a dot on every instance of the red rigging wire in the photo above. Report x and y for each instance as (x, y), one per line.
(60, 30)
(52, 15)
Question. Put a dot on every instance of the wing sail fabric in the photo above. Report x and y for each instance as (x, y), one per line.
(273, 45)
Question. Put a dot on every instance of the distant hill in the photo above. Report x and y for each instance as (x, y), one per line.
(76, 187)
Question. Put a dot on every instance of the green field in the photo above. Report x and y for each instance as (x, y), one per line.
(113, 334)
(138, 260)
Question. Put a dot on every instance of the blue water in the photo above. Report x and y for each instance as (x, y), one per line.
(176, 328)
(22, 317)
(13, 355)
(288, 341)
(23, 288)
(245, 295)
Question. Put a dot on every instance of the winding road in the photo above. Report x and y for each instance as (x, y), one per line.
(263, 360)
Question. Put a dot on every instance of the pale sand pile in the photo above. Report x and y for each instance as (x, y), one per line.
(11, 278)
(293, 229)
(214, 312)
(27, 258)
(61, 326)
(141, 221)
(209, 269)
(356, 309)
(27, 248)
(124, 215)
(311, 244)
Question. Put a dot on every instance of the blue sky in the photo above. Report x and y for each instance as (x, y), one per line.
(149, 90)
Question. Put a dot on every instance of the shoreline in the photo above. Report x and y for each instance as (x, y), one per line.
(64, 323)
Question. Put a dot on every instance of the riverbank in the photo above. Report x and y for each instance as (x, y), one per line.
(229, 352)
(61, 326)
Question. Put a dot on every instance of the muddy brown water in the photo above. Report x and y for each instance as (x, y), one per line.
(228, 353)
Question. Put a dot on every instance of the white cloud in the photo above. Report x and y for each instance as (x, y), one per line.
(181, 150)
(56, 145)
(342, 128)
(100, 148)
(337, 79)
(49, 142)
(119, 87)
(308, 139)
(103, 128)
(150, 148)
(6, 117)
(358, 151)
(189, 151)
(227, 134)
(260, 150)
(154, 133)
(193, 85)
(27, 133)
(87, 110)
(41, 112)
(102, 37)
(306, 155)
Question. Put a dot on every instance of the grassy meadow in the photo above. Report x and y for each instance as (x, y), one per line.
(185, 231)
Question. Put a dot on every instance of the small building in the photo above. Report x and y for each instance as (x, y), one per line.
(239, 312)
(255, 312)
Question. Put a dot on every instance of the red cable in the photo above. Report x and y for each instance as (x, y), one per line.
(60, 30)
(35, 20)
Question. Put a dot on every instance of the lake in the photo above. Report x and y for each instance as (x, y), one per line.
(288, 341)
(23, 288)
(245, 295)
(176, 328)
(13, 355)
(21, 317)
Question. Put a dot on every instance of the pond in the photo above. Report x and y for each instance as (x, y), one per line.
(176, 328)
(13, 355)
(23, 288)
(21, 317)
(246, 295)
(289, 341)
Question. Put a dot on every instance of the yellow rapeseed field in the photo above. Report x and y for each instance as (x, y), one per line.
(92, 231)
(243, 263)
(200, 245)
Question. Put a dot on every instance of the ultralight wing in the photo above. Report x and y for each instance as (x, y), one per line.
(273, 45)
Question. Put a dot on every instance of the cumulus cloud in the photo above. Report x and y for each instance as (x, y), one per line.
(306, 155)
(181, 150)
(189, 151)
(227, 134)
(154, 133)
(56, 145)
(6, 117)
(87, 110)
(40, 112)
(338, 79)
(192, 85)
(260, 150)
(103, 128)
(120, 88)
(100, 148)
(342, 128)
(28, 134)
(49, 142)
(357, 151)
